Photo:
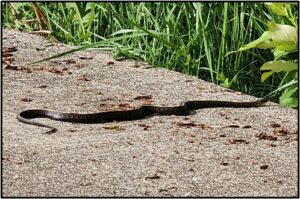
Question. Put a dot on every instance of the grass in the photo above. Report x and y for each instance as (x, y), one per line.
(192, 38)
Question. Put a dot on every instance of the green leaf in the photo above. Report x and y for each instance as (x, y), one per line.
(279, 53)
(290, 102)
(221, 77)
(226, 83)
(266, 44)
(286, 98)
(265, 75)
(260, 41)
(281, 37)
(277, 66)
(278, 8)
(280, 65)
(264, 37)
(284, 35)
(290, 91)
(288, 47)
(296, 76)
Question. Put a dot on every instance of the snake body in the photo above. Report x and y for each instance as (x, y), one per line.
(139, 113)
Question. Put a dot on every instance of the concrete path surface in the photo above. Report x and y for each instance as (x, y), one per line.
(214, 152)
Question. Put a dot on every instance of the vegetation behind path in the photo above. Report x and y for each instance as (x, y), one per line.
(192, 38)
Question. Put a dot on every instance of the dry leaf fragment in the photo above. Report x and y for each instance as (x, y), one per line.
(80, 104)
(40, 48)
(236, 141)
(204, 126)
(275, 125)
(84, 78)
(8, 59)
(264, 167)
(239, 140)
(145, 127)
(265, 136)
(69, 61)
(186, 124)
(85, 57)
(247, 127)
(114, 127)
(124, 105)
(55, 70)
(143, 97)
(147, 102)
(79, 65)
(60, 71)
(43, 86)
(25, 99)
(130, 143)
(6, 54)
(280, 131)
(110, 63)
(155, 176)
(147, 99)
(9, 49)
(224, 163)
(21, 68)
(233, 126)
(273, 145)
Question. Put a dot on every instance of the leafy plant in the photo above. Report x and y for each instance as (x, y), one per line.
(283, 40)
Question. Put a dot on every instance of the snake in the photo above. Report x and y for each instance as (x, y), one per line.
(185, 108)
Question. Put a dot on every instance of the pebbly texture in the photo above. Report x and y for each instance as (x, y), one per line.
(215, 152)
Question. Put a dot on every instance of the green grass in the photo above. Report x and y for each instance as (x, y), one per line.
(192, 38)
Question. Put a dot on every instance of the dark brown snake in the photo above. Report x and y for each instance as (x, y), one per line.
(139, 113)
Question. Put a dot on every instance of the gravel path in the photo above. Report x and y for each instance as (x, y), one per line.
(215, 152)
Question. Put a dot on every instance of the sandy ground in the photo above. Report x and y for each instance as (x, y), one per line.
(215, 152)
